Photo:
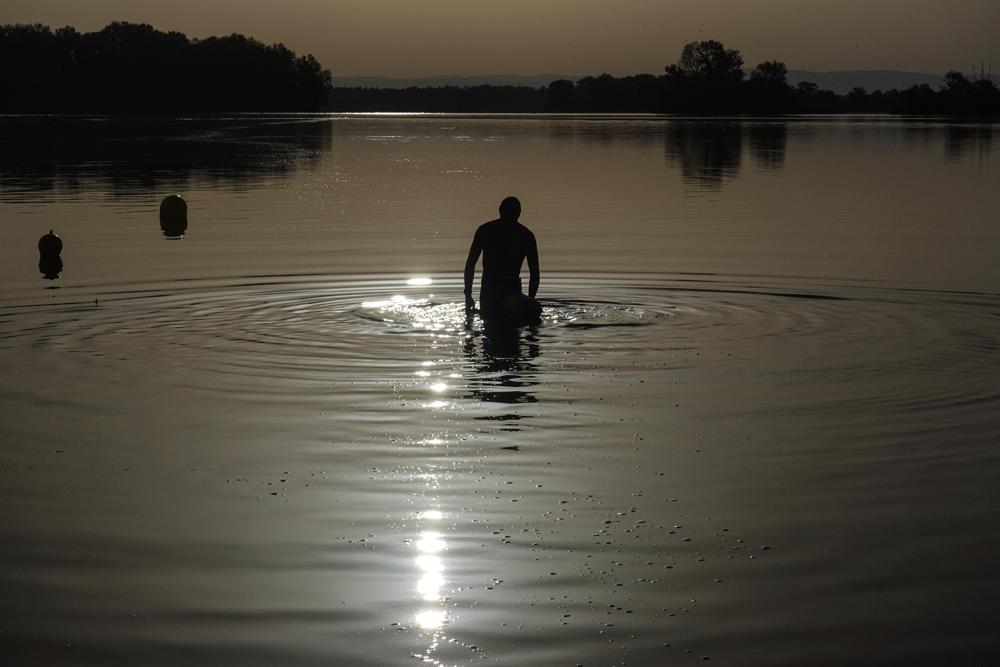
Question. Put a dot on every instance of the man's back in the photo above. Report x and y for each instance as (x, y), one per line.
(505, 246)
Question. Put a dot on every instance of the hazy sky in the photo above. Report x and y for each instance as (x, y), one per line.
(427, 37)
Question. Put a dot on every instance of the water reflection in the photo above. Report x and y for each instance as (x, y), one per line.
(173, 229)
(768, 144)
(430, 548)
(131, 157)
(502, 359)
(709, 153)
(499, 369)
(969, 141)
(963, 142)
(640, 133)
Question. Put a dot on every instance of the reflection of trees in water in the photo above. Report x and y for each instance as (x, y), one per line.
(131, 157)
(768, 144)
(710, 152)
(961, 141)
(919, 136)
(502, 359)
(964, 141)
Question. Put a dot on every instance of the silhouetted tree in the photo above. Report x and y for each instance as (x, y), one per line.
(706, 79)
(598, 93)
(963, 96)
(132, 67)
(768, 90)
(710, 61)
(955, 83)
(806, 88)
(561, 96)
(770, 73)
(810, 99)
(858, 100)
(916, 100)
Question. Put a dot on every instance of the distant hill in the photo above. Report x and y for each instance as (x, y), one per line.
(840, 81)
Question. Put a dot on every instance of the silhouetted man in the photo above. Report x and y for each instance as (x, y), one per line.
(504, 243)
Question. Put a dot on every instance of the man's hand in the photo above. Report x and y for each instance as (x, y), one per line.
(470, 304)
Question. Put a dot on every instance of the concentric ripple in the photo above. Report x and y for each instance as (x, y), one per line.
(296, 332)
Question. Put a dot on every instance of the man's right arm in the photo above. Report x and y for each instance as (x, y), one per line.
(534, 278)
(470, 266)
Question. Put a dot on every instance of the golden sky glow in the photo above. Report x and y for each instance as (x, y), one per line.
(406, 38)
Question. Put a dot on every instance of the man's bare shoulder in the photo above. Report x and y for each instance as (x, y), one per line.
(487, 227)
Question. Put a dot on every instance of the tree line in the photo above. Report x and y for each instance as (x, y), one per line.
(134, 68)
(707, 79)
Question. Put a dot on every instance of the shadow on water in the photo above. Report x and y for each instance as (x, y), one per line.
(709, 153)
(502, 360)
(130, 157)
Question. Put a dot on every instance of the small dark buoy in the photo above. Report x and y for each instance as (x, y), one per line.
(50, 244)
(49, 262)
(173, 216)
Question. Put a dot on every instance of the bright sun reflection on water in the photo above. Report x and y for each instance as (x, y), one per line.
(431, 567)
(431, 619)
(429, 586)
(430, 563)
(439, 387)
(395, 302)
(430, 542)
(416, 282)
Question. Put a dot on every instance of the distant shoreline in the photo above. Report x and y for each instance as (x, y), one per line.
(128, 68)
(839, 81)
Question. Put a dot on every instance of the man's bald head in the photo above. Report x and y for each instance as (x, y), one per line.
(510, 209)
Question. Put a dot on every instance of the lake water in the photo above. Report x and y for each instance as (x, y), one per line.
(758, 423)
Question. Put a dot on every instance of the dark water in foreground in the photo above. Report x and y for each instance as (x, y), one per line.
(758, 424)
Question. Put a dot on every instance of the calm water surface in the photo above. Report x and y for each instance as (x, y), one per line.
(758, 423)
